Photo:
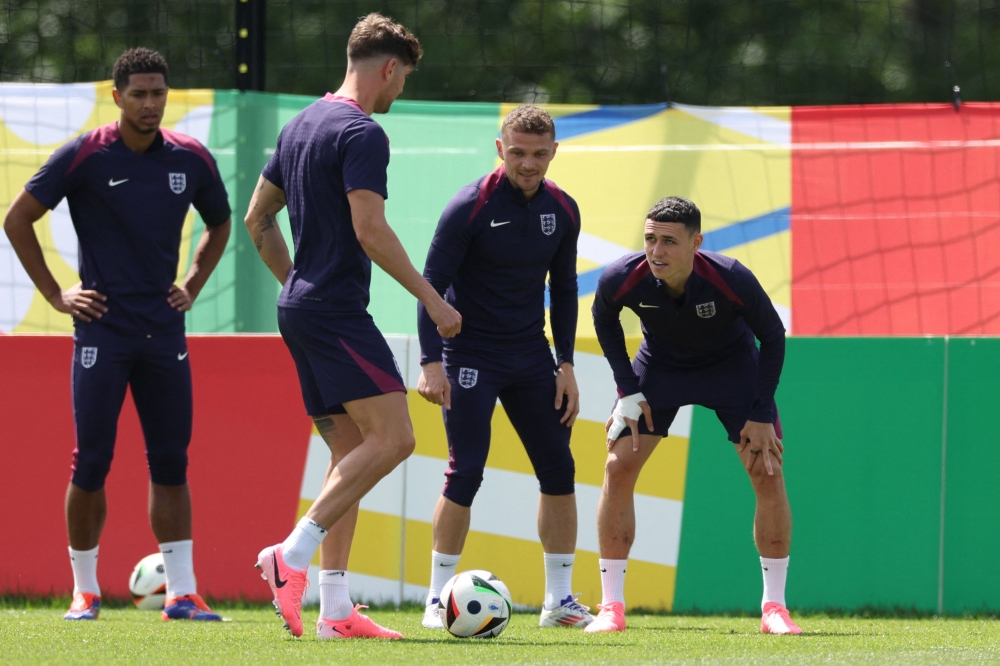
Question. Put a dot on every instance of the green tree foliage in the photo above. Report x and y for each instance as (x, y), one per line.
(713, 52)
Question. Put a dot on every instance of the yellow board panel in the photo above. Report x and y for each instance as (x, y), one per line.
(520, 565)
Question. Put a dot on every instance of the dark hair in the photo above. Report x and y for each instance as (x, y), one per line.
(676, 209)
(376, 35)
(529, 119)
(137, 61)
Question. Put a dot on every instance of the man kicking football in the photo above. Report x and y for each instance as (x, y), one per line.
(495, 243)
(330, 166)
(129, 186)
(701, 315)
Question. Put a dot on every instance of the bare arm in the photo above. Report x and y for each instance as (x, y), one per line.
(382, 246)
(206, 258)
(25, 210)
(262, 223)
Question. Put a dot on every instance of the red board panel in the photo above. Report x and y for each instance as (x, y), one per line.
(896, 220)
(247, 456)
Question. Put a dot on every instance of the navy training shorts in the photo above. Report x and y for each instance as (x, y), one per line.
(340, 357)
(525, 383)
(728, 387)
(107, 362)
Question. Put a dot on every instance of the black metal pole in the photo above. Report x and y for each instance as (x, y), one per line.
(250, 27)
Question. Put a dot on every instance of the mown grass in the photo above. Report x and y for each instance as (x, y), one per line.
(34, 633)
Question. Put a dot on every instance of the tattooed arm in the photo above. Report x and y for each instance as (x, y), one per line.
(262, 223)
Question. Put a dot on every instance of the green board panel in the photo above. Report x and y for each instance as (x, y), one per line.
(972, 500)
(863, 430)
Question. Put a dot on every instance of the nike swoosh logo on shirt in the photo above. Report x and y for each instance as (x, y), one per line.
(643, 305)
(277, 579)
(113, 182)
(181, 357)
(494, 223)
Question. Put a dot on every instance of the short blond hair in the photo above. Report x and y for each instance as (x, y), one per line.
(377, 35)
(529, 119)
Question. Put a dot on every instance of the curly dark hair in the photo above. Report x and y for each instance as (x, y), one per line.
(137, 61)
(377, 35)
(529, 119)
(676, 209)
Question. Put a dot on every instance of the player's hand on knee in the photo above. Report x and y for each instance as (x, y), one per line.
(84, 304)
(180, 298)
(760, 439)
(626, 414)
(566, 389)
(434, 386)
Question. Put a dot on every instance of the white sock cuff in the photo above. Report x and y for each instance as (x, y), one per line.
(174, 545)
(776, 561)
(312, 528)
(84, 553)
(558, 558)
(612, 563)
(445, 559)
(333, 577)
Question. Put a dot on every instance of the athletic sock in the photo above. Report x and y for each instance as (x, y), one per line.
(612, 581)
(334, 595)
(442, 569)
(84, 564)
(301, 545)
(558, 579)
(775, 572)
(178, 563)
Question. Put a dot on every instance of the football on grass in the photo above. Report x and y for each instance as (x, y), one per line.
(475, 604)
(148, 583)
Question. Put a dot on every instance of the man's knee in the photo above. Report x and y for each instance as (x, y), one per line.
(461, 487)
(621, 470)
(90, 470)
(764, 483)
(558, 478)
(168, 468)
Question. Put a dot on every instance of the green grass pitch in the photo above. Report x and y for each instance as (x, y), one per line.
(37, 634)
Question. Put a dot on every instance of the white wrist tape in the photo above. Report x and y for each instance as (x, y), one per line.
(626, 408)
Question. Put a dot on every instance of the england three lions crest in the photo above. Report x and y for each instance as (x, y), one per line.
(178, 182)
(705, 310)
(467, 377)
(88, 356)
(549, 224)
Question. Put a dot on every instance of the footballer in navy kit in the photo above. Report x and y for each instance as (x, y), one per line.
(129, 186)
(496, 241)
(330, 167)
(702, 314)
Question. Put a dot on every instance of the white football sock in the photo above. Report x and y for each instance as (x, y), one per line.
(85, 570)
(558, 579)
(301, 545)
(775, 572)
(442, 569)
(334, 595)
(612, 581)
(178, 563)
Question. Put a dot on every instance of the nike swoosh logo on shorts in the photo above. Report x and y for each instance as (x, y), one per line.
(277, 579)
(494, 223)
(643, 305)
(181, 357)
(112, 182)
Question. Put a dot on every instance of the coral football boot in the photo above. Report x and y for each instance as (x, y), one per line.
(611, 618)
(287, 585)
(775, 620)
(188, 607)
(86, 606)
(355, 625)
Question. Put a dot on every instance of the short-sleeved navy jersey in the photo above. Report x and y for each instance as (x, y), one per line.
(489, 258)
(128, 210)
(722, 310)
(330, 148)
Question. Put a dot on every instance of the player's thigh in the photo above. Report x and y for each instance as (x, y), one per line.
(102, 364)
(340, 433)
(161, 388)
(475, 384)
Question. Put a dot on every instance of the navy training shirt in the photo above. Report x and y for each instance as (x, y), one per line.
(722, 310)
(330, 148)
(489, 258)
(128, 210)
